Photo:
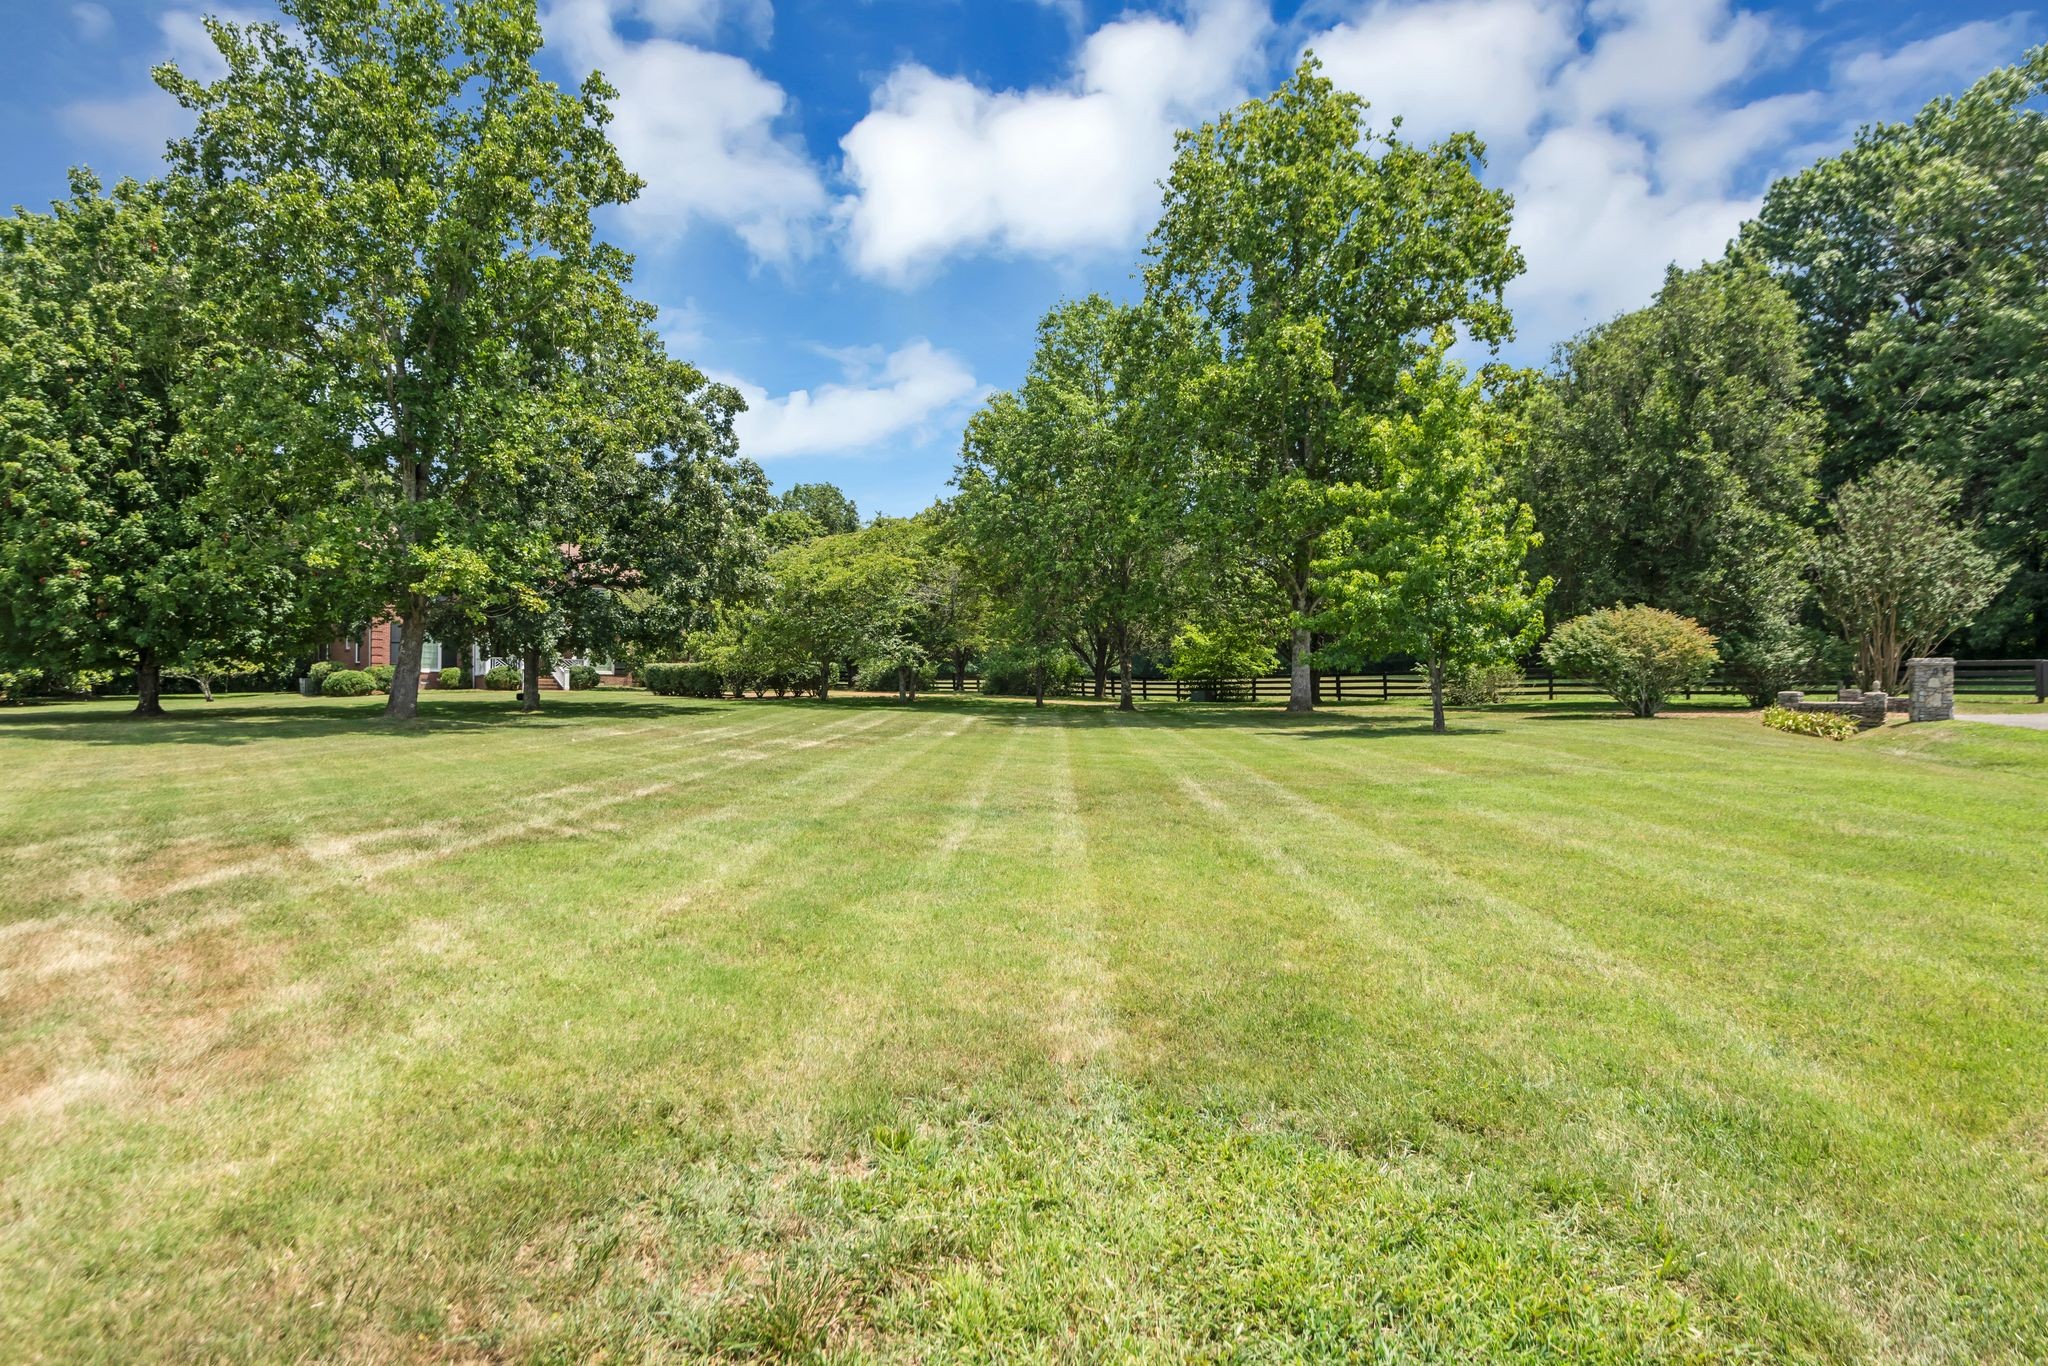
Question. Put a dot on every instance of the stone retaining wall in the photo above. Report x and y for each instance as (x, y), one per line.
(1933, 697)
(1866, 708)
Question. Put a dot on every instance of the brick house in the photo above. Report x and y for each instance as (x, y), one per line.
(378, 644)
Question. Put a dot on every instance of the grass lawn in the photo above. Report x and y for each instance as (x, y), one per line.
(655, 1028)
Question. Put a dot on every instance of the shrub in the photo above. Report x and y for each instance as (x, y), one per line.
(1639, 655)
(318, 673)
(1479, 685)
(381, 675)
(687, 679)
(347, 683)
(1227, 650)
(1826, 725)
(582, 678)
(1013, 671)
(452, 678)
(502, 678)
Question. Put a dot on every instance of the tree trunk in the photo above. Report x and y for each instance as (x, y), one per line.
(1038, 686)
(149, 683)
(1123, 696)
(529, 698)
(1300, 689)
(824, 679)
(1436, 696)
(959, 671)
(1101, 663)
(902, 683)
(404, 702)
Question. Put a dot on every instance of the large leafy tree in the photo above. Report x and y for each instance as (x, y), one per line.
(1073, 490)
(1428, 559)
(1920, 269)
(839, 598)
(399, 209)
(635, 546)
(109, 556)
(1671, 461)
(1898, 571)
(1323, 256)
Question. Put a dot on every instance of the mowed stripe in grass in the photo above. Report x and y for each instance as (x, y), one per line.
(963, 1030)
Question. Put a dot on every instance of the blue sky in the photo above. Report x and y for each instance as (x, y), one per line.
(857, 209)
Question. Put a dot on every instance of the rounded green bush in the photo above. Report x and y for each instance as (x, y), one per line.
(347, 683)
(381, 675)
(1638, 655)
(502, 678)
(582, 677)
(451, 678)
(318, 673)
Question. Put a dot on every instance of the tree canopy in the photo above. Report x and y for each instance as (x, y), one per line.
(1321, 257)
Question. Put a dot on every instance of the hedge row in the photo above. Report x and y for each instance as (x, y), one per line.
(682, 680)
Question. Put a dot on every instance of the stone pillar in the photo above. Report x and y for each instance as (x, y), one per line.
(1791, 699)
(1870, 709)
(1933, 686)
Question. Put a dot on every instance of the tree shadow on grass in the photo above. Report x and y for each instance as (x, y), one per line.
(227, 723)
(1349, 720)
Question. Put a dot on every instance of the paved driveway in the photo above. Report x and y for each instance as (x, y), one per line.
(2033, 720)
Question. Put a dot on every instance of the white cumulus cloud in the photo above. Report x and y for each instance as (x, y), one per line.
(700, 127)
(139, 122)
(940, 166)
(878, 398)
(1628, 131)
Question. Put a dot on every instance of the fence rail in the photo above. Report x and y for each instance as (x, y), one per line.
(1973, 676)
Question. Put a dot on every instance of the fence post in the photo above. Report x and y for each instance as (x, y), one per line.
(2041, 680)
(1385, 695)
(1550, 682)
(1340, 687)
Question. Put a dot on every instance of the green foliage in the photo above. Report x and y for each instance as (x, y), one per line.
(1639, 655)
(348, 683)
(1479, 685)
(1824, 725)
(823, 507)
(1321, 259)
(1898, 573)
(1671, 459)
(321, 668)
(686, 679)
(1919, 265)
(435, 354)
(1013, 671)
(454, 677)
(1774, 655)
(110, 554)
(381, 675)
(1071, 489)
(502, 678)
(1428, 558)
(582, 677)
(1227, 649)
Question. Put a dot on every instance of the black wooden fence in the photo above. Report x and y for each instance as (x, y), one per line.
(2008, 677)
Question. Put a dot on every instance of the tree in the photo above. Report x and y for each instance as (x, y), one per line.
(660, 533)
(1898, 573)
(1012, 514)
(1639, 655)
(1084, 482)
(110, 556)
(1428, 560)
(399, 211)
(838, 598)
(823, 506)
(1671, 461)
(1920, 271)
(1322, 257)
